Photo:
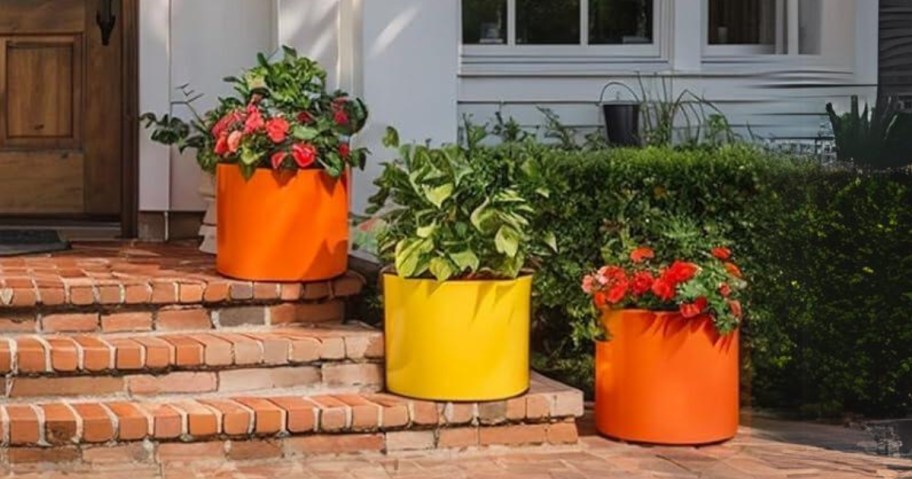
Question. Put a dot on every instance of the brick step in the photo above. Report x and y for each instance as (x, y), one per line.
(267, 426)
(153, 287)
(321, 358)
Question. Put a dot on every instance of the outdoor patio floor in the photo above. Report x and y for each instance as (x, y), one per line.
(767, 449)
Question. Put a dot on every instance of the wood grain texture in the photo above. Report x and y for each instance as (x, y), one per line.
(39, 182)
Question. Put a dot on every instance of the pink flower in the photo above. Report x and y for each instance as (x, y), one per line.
(694, 309)
(588, 284)
(340, 117)
(234, 141)
(277, 129)
(254, 121)
(344, 150)
(304, 154)
(221, 146)
(277, 159)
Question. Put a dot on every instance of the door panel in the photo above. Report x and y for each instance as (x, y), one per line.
(61, 118)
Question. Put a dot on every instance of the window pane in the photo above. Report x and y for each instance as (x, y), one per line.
(620, 21)
(484, 21)
(742, 22)
(548, 22)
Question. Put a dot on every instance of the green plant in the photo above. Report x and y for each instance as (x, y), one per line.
(875, 138)
(281, 117)
(455, 212)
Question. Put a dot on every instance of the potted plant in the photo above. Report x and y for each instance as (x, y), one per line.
(669, 372)
(281, 151)
(457, 304)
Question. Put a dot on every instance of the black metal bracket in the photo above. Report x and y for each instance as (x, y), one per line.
(106, 21)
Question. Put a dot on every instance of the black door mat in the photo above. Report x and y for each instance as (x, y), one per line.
(15, 242)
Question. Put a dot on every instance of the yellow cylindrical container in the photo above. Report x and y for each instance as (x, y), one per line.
(457, 340)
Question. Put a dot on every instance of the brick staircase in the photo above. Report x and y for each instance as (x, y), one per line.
(143, 354)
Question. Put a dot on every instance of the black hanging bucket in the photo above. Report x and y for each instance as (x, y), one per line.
(622, 123)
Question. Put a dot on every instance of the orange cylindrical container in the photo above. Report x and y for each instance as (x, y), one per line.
(663, 379)
(283, 226)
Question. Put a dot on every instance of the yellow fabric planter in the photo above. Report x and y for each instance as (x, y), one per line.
(457, 340)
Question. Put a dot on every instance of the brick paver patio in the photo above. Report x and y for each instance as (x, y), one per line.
(766, 449)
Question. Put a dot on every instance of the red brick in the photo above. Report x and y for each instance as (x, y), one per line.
(216, 292)
(126, 322)
(242, 316)
(303, 349)
(235, 420)
(201, 421)
(110, 294)
(563, 433)
(290, 292)
(410, 441)
(128, 354)
(538, 406)
(459, 413)
(361, 374)
(137, 294)
(216, 351)
(316, 291)
(23, 425)
(190, 293)
(183, 320)
(253, 450)
(240, 291)
(333, 413)
(132, 422)
(82, 295)
(246, 351)
(317, 313)
(96, 354)
(364, 345)
(172, 383)
(59, 424)
(350, 284)
(18, 325)
(513, 435)
(69, 323)
(6, 356)
(52, 296)
(333, 444)
(275, 348)
(97, 426)
(164, 292)
(24, 297)
(425, 413)
(282, 314)
(567, 403)
(516, 409)
(64, 357)
(394, 412)
(187, 352)
(365, 415)
(300, 414)
(266, 291)
(42, 455)
(492, 412)
(255, 379)
(66, 386)
(120, 454)
(268, 418)
(192, 452)
(159, 353)
(458, 438)
(166, 421)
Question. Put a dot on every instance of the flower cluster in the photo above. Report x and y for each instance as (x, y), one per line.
(708, 288)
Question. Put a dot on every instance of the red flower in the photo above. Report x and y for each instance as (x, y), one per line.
(304, 118)
(735, 307)
(694, 309)
(601, 300)
(663, 289)
(722, 253)
(277, 129)
(254, 121)
(234, 141)
(344, 150)
(304, 154)
(641, 254)
(226, 122)
(642, 283)
(681, 272)
(611, 274)
(277, 159)
(734, 270)
(617, 291)
(221, 146)
(725, 290)
(340, 117)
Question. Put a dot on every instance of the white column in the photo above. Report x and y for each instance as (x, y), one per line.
(794, 28)
(867, 26)
(410, 74)
(154, 96)
(688, 35)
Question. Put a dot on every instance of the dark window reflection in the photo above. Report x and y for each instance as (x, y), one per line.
(548, 22)
(484, 21)
(614, 22)
(742, 22)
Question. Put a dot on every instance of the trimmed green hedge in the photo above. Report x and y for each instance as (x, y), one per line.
(828, 254)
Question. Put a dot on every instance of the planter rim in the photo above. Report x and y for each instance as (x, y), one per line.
(260, 171)
(522, 277)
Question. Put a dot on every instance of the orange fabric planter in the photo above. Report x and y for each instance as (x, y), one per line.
(663, 379)
(281, 226)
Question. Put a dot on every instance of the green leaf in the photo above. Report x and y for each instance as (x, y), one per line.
(249, 157)
(409, 254)
(439, 194)
(255, 80)
(305, 133)
(507, 241)
(551, 240)
(391, 138)
(425, 232)
(480, 214)
(466, 260)
(441, 269)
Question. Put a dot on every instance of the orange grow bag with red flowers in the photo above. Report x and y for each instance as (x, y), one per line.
(663, 379)
(280, 225)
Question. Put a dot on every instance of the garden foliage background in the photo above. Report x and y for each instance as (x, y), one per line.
(828, 253)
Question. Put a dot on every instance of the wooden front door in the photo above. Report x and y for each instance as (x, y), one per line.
(61, 108)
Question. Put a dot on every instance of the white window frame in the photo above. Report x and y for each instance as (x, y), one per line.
(512, 51)
(787, 34)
